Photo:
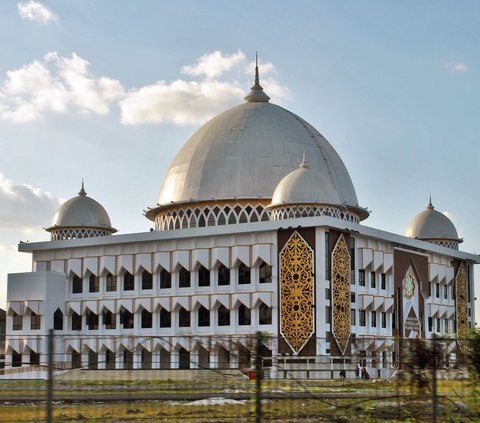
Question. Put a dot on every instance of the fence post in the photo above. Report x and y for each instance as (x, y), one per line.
(49, 375)
(434, 378)
(258, 379)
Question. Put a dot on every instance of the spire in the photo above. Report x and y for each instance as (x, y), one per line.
(82, 191)
(304, 164)
(430, 206)
(256, 93)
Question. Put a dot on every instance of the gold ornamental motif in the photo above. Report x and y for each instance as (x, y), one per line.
(341, 293)
(296, 292)
(461, 307)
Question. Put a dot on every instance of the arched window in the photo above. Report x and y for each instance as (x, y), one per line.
(92, 360)
(223, 316)
(111, 282)
(244, 315)
(76, 321)
(76, 284)
(146, 358)
(109, 319)
(35, 321)
(17, 321)
(93, 283)
(109, 359)
(165, 279)
(223, 275)
(183, 278)
(128, 282)
(183, 359)
(146, 319)
(203, 276)
(203, 316)
(147, 280)
(92, 320)
(16, 359)
(265, 273)
(34, 358)
(264, 315)
(243, 274)
(58, 320)
(126, 319)
(165, 318)
(183, 318)
(76, 360)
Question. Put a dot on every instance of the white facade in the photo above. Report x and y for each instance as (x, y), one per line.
(50, 287)
(195, 292)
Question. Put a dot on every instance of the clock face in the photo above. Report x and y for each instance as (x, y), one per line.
(409, 286)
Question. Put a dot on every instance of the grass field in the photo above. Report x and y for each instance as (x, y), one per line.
(283, 401)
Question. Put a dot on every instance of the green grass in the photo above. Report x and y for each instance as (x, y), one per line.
(408, 407)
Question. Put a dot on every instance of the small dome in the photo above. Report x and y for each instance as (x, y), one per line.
(305, 186)
(431, 225)
(80, 217)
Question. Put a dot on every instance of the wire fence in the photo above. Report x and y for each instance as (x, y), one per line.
(218, 379)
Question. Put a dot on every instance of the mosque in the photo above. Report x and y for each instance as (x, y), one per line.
(257, 227)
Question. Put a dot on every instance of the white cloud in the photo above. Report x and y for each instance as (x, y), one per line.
(456, 67)
(35, 11)
(55, 84)
(179, 102)
(214, 64)
(24, 212)
(194, 102)
(273, 88)
(23, 207)
(264, 68)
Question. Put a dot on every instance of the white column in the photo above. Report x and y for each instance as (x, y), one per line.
(137, 359)
(214, 359)
(84, 360)
(119, 360)
(174, 359)
(194, 360)
(156, 359)
(101, 360)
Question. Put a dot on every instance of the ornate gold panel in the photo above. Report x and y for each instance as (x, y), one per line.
(341, 293)
(296, 292)
(461, 307)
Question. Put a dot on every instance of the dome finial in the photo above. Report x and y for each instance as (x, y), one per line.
(304, 164)
(257, 78)
(82, 191)
(430, 206)
(256, 93)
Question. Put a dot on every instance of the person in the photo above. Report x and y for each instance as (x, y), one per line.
(364, 372)
(357, 371)
(343, 375)
(367, 376)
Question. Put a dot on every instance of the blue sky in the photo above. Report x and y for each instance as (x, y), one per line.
(109, 91)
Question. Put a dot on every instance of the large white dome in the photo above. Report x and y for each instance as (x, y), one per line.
(242, 154)
(245, 151)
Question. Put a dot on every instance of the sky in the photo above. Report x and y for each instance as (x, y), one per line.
(109, 91)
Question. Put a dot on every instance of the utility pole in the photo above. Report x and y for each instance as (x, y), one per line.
(258, 379)
(50, 375)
